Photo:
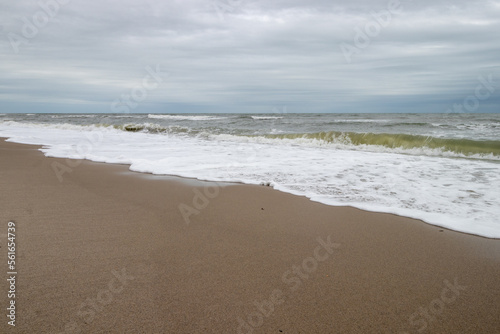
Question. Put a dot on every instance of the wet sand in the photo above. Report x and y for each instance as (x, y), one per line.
(100, 249)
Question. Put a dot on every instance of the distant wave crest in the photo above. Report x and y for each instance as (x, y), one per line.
(266, 117)
(186, 117)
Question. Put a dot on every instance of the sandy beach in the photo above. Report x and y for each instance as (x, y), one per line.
(100, 249)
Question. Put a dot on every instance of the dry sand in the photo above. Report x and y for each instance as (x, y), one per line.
(108, 251)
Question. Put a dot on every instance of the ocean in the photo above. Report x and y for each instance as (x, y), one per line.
(441, 168)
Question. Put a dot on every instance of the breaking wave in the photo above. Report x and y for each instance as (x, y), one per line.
(383, 142)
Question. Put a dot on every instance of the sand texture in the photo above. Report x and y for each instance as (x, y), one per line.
(105, 250)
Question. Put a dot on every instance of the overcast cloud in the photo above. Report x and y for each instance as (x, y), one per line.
(247, 55)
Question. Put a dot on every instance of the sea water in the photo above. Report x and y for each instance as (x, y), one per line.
(441, 168)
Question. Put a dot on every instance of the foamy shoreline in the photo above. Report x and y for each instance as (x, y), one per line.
(450, 192)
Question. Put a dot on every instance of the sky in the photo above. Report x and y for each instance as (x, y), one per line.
(204, 56)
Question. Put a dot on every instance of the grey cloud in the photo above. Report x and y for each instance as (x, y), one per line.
(249, 56)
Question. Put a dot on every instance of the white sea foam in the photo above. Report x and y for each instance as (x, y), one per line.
(460, 194)
(41, 126)
(73, 116)
(361, 121)
(266, 117)
(186, 117)
(125, 116)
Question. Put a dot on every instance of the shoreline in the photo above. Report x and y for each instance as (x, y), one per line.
(358, 271)
(63, 168)
(438, 190)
